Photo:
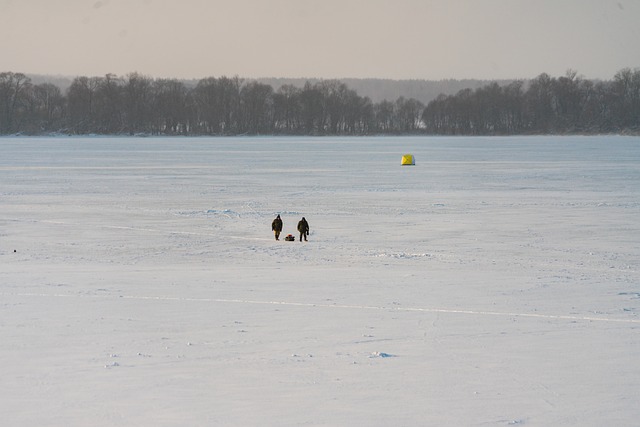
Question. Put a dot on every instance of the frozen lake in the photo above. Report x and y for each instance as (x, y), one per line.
(495, 283)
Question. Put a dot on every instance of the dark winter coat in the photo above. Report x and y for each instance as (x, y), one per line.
(276, 225)
(303, 226)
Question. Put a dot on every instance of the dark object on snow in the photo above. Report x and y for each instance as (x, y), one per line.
(276, 227)
(289, 238)
(303, 228)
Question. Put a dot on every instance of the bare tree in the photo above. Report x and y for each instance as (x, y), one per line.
(257, 108)
(110, 105)
(170, 107)
(384, 116)
(626, 90)
(13, 92)
(81, 104)
(287, 109)
(409, 114)
(312, 109)
(137, 103)
(218, 104)
(49, 106)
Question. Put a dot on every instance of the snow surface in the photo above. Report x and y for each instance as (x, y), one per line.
(495, 283)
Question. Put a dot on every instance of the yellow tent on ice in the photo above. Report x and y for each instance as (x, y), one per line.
(408, 160)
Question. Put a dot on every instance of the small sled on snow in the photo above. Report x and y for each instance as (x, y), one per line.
(289, 238)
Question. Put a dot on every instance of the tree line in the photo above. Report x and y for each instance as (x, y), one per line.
(138, 104)
(546, 105)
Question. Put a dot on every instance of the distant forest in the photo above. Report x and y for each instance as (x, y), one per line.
(140, 105)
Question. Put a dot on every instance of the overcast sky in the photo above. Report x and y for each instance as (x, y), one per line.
(396, 39)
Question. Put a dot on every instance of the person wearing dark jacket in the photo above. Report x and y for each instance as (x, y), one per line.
(276, 227)
(303, 228)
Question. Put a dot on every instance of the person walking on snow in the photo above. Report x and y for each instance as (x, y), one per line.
(276, 227)
(303, 228)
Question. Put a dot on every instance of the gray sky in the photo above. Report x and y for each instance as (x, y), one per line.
(396, 39)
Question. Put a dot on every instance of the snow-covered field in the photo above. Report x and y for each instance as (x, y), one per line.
(495, 283)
